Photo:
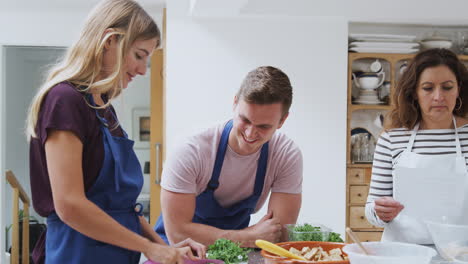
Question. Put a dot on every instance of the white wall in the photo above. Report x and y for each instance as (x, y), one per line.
(207, 60)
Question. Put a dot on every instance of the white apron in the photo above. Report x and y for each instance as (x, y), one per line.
(431, 187)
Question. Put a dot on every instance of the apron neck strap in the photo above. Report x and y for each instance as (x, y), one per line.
(409, 147)
(102, 119)
(457, 140)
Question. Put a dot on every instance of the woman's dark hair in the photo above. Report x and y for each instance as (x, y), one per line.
(405, 110)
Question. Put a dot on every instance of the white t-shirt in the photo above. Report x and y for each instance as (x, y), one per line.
(189, 168)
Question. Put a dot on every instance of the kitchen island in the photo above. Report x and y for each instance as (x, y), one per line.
(256, 258)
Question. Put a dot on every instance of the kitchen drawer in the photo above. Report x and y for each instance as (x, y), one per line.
(366, 236)
(357, 218)
(358, 194)
(356, 176)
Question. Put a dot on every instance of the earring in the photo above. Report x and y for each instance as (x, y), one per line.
(459, 105)
(415, 104)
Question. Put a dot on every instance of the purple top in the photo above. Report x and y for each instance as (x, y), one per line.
(65, 108)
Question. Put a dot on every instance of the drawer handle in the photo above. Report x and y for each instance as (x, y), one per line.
(359, 194)
(362, 217)
(357, 175)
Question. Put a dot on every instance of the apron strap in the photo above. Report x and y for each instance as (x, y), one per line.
(222, 147)
(108, 136)
(223, 143)
(409, 147)
(457, 139)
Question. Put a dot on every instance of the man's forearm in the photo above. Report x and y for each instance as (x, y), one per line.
(207, 235)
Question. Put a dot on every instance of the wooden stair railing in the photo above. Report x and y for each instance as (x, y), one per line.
(19, 193)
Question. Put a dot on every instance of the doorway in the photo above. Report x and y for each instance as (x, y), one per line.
(24, 70)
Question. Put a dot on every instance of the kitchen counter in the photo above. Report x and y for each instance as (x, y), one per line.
(256, 258)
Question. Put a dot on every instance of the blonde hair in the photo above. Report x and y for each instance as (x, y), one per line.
(82, 63)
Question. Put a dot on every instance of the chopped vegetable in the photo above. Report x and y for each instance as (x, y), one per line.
(227, 251)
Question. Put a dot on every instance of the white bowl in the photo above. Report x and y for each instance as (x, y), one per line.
(369, 82)
(389, 253)
(450, 240)
(436, 43)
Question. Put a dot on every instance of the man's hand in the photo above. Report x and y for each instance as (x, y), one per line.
(268, 228)
(387, 208)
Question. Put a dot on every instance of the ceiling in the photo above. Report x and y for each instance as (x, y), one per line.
(69, 5)
(449, 12)
(395, 11)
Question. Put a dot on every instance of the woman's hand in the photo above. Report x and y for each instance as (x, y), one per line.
(164, 254)
(387, 208)
(193, 246)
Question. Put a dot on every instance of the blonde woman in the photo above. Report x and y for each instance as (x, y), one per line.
(85, 177)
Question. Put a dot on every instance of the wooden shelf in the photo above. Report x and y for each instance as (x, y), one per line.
(356, 107)
(359, 165)
(386, 56)
(368, 229)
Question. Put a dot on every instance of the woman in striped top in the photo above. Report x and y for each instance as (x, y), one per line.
(421, 132)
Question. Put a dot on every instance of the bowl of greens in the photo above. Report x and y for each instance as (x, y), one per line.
(311, 232)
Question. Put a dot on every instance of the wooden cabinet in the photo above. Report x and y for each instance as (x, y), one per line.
(361, 118)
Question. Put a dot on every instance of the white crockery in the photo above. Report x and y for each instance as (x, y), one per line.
(436, 43)
(369, 81)
(389, 253)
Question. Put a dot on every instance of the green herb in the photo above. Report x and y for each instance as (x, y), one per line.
(334, 237)
(307, 232)
(227, 251)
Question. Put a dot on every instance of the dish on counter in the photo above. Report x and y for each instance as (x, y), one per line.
(389, 252)
(307, 232)
(299, 245)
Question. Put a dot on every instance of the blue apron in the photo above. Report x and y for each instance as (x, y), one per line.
(115, 192)
(208, 211)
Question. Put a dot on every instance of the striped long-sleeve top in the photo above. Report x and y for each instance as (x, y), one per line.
(392, 143)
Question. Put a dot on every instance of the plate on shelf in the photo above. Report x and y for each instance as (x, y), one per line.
(383, 50)
(387, 45)
(382, 37)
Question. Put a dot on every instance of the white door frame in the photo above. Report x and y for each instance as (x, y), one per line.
(2, 156)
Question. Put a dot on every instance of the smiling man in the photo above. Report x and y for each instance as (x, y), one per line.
(219, 177)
